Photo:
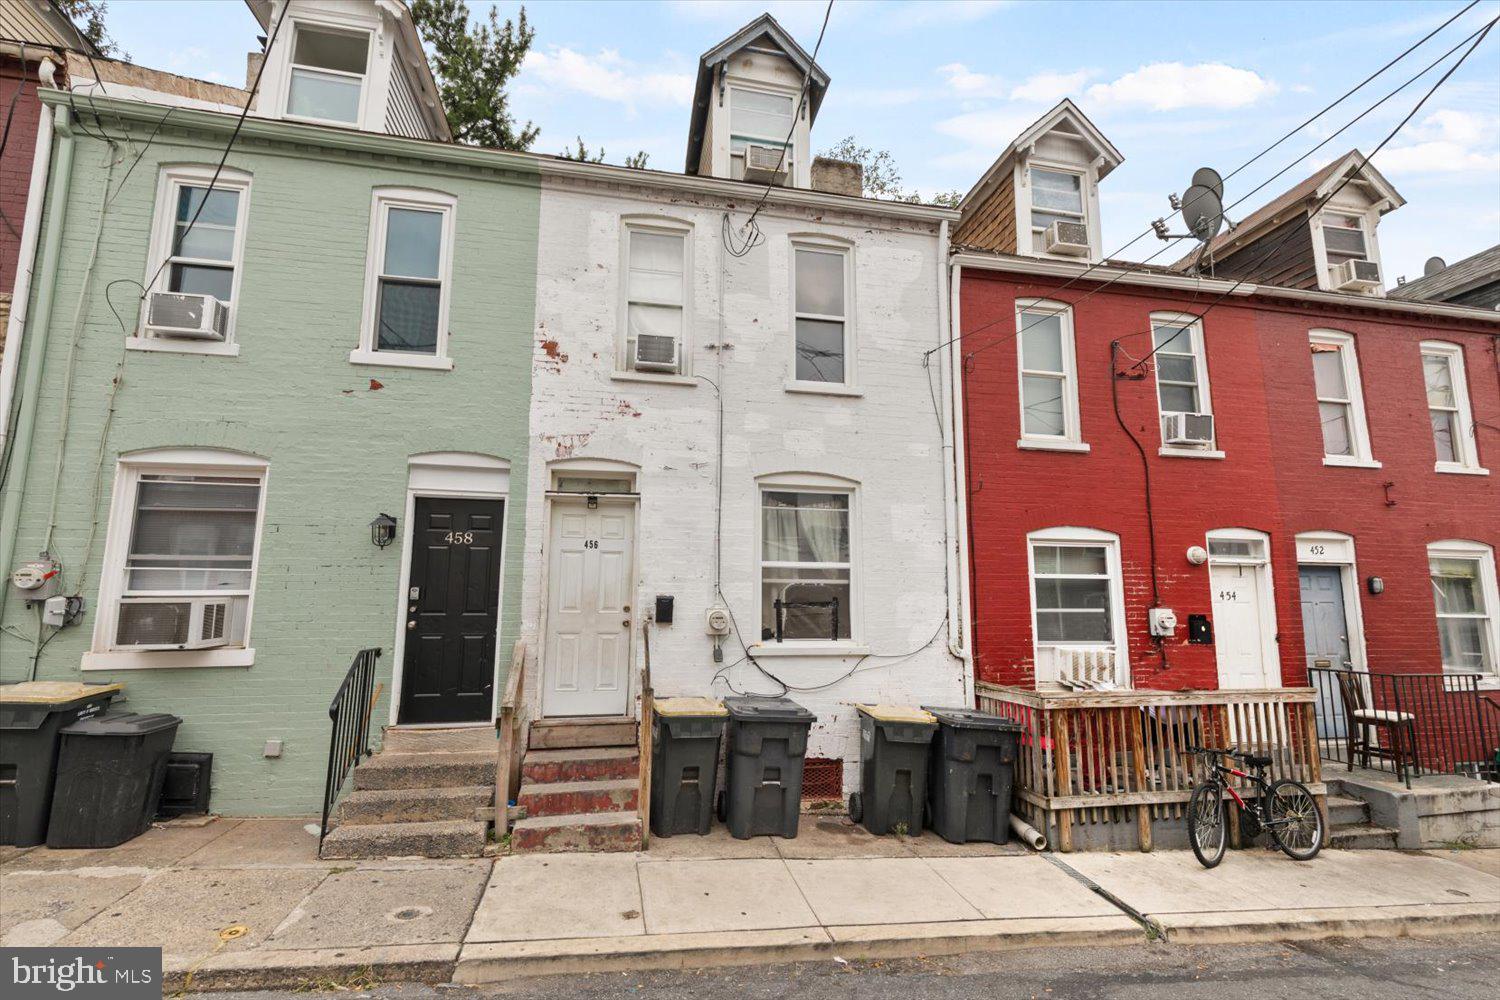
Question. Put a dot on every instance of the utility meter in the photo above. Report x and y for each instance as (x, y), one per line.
(1163, 621)
(38, 579)
(718, 621)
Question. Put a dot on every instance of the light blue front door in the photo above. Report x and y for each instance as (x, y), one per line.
(1325, 630)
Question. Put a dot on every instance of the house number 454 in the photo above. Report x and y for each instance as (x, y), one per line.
(459, 538)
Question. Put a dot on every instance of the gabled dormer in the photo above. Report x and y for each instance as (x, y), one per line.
(1041, 197)
(353, 63)
(1297, 241)
(746, 103)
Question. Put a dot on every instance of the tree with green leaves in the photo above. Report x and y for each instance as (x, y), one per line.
(637, 161)
(473, 64)
(88, 17)
(881, 178)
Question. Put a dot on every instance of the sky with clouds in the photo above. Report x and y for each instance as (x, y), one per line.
(944, 85)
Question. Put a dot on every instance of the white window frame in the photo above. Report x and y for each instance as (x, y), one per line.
(1072, 437)
(1369, 220)
(103, 655)
(810, 483)
(170, 181)
(818, 243)
(331, 28)
(661, 226)
(1083, 216)
(1199, 348)
(1359, 429)
(382, 201)
(1462, 548)
(1465, 440)
(1073, 537)
(794, 152)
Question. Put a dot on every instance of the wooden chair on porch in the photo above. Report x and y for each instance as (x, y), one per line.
(1364, 724)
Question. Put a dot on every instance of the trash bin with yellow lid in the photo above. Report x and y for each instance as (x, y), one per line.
(894, 742)
(686, 734)
(32, 714)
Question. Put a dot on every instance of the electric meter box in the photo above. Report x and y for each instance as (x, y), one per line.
(36, 580)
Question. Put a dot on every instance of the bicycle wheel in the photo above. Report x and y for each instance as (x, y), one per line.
(1207, 824)
(1296, 824)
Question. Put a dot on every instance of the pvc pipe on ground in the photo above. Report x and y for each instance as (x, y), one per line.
(1028, 833)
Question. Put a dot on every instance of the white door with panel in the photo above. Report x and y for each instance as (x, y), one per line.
(1243, 618)
(586, 666)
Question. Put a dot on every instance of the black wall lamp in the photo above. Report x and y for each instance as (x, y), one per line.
(383, 530)
(1376, 584)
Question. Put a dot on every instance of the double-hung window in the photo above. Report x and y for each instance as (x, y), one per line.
(328, 74)
(408, 273)
(1182, 393)
(655, 299)
(1077, 605)
(821, 314)
(1341, 409)
(1056, 196)
(1048, 374)
(1344, 238)
(760, 118)
(805, 565)
(1465, 599)
(1448, 408)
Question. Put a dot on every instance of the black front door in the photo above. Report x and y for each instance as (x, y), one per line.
(452, 608)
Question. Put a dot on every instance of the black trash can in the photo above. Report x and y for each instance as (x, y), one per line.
(685, 740)
(767, 741)
(31, 714)
(973, 766)
(109, 776)
(894, 744)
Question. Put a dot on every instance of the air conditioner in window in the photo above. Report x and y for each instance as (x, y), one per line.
(191, 623)
(1356, 276)
(190, 317)
(1188, 428)
(765, 163)
(654, 353)
(1069, 238)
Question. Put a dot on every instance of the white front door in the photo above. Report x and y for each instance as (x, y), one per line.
(587, 658)
(1240, 623)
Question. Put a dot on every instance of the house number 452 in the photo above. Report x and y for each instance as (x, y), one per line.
(459, 538)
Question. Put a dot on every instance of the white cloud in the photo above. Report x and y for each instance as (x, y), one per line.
(1049, 88)
(989, 131)
(1171, 86)
(967, 83)
(605, 76)
(1446, 142)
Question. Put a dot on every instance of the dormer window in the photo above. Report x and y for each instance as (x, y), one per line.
(759, 118)
(1344, 238)
(1056, 196)
(328, 74)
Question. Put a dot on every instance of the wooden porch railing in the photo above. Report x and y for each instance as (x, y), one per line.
(510, 738)
(1097, 757)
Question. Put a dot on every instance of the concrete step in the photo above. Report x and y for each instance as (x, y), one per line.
(555, 734)
(454, 739)
(449, 838)
(1344, 810)
(426, 770)
(599, 832)
(583, 764)
(559, 798)
(414, 805)
(1362, 838)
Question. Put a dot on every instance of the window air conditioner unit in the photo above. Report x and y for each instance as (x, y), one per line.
(192, 623)
(765, 163)
(1188, 428)
(190, 317)
(1068, 238)
(655, 353)
(1356, 276)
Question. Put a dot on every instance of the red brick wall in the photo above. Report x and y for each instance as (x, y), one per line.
(15, 164)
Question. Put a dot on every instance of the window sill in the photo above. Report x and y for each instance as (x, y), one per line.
(1040, 444)
(808, 648)
(1452, 469)
(823, 388)
(1352, 463)
(393, 359)
(168, 659)
(1491, 683)
(652, 378)
(1170, 452)
(168, 345)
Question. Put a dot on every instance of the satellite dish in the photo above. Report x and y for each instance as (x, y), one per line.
(1209, 177)
(1203, 211)
(1433, 266)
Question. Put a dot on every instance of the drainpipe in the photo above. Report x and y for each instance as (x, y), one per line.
(961, 474)
(953, 505)
(41, 325)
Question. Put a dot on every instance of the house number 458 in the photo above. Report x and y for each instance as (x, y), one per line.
(459, 538)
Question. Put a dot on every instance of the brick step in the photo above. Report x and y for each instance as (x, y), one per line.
(560, 798)
(450, 838)
(414, 805)
(582, 764)
(1362, 838)
(425, 770)
(556, 734)
(1344, 810)
(572, 833)
(456, 739)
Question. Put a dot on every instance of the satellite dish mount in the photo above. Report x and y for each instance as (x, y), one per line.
(1202, 208)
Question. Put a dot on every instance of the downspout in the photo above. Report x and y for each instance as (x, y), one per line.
(953, 506)
(962, 550)
(25, 429)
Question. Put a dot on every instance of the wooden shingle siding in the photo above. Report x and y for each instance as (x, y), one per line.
(991, 225)
(1271, 261)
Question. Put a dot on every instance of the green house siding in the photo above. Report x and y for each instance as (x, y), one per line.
(337, 435)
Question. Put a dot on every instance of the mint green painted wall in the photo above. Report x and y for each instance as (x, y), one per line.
(337, 448)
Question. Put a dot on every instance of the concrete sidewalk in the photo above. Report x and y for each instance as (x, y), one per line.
(689, 901)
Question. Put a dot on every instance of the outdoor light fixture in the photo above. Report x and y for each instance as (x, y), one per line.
(1376, 584)
(383, 530)
(1197, 555)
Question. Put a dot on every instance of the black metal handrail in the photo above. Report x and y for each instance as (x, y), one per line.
(350, 742)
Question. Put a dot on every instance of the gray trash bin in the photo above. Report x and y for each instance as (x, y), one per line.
(894, 742)
(767, 741)
(110, 771)
(685, 740)
(973, 765)
(31, 715)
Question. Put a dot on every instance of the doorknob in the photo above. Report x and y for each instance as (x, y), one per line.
(626, 623)
(411, 624)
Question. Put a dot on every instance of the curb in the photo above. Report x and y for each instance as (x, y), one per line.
(324, 968)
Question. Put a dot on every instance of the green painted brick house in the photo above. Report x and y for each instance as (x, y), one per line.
(208, 476)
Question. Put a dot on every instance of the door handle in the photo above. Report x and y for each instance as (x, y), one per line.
(626, 623)
(411, 624)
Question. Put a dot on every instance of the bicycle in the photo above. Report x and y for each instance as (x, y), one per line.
(1285, 809)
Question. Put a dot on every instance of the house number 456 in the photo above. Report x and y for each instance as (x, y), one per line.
(459, 538)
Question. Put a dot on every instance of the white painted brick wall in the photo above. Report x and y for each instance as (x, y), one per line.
(887, 440)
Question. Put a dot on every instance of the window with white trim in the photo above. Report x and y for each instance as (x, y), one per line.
(198, 246)
(1344, 237)
(1048, 374)
(1466, 603)
(820, 299)
(328, 72)
(1448, 410)
(760, 118)
(1181, 367)
(407, 277)
(1341, 409)
(1056, 196)
(806, 565)
(655, 299)
(1077, 606)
